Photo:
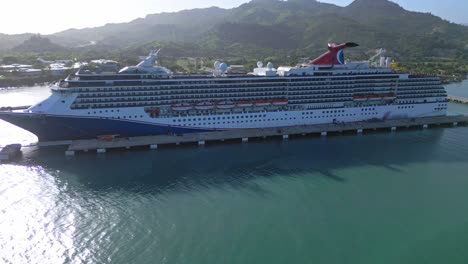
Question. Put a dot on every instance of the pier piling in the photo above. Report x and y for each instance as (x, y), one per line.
(154, 146)
(101, 150)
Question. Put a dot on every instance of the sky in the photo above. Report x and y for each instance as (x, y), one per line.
(50, 16)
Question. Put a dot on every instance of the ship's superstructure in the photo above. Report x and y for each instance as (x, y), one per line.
(149, 100)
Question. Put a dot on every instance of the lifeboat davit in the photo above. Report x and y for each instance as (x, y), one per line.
(280, 102)
(225, 105)
(182, 107)
(244, 104)
(204, 106)
(263, 103)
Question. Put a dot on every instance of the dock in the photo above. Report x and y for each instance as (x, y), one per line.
(244, 135)
(457, 99)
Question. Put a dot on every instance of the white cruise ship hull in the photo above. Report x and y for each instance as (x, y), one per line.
(132, 122)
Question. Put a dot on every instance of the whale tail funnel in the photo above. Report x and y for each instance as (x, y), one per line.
(334, 55)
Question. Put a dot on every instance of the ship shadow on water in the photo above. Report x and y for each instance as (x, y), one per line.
(186, 168)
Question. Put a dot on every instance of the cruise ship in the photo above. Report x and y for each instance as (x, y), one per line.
(148, 99)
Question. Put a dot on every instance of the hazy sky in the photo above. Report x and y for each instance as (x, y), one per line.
(50, 16)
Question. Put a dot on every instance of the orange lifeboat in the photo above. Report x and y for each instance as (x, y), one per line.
(225, 105)
(182, 107)
(244, 104)
(360, 98)
(280, 102)
(204, 106)
(107, 137)
(262, 103)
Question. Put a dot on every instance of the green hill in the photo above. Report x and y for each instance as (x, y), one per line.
(36, 43)
(261, 27)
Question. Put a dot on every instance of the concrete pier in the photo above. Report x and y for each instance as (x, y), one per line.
(457, 99)
(244, 135)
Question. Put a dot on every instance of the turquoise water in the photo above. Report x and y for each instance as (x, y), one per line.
(375, 198)
(459, 89)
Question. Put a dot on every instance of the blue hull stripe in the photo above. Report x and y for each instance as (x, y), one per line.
(57, 128)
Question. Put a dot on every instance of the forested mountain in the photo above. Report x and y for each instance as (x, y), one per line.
(291, 27)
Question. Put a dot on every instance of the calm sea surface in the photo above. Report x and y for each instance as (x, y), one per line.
(375, 198)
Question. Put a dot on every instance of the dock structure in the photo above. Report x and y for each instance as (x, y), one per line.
(457, 99)
(244, 135)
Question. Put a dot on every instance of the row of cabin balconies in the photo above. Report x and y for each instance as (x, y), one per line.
(400, 96)
(341, 86)
(234, 85)
(430, 90)
(104, 104)
(220, 97)
(344, 82)
(319, 95)
(420, 92)
(208, 95)
(162, 101)
(237, 90)
(195, 89)
(213, 91)
(418, 83)
(432, 78)
(136, 96)
(195, 85)
(315, 101)
(419, 88)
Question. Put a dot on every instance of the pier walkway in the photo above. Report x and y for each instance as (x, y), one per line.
(243, 135)
(457, 99)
